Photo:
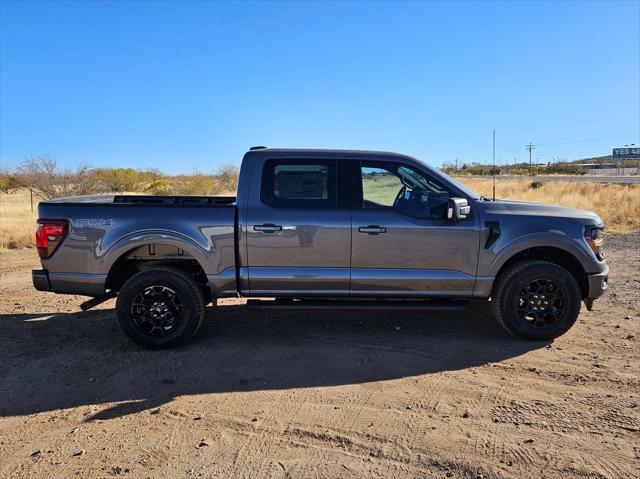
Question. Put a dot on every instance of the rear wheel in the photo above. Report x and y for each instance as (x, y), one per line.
(536, 300)
(160, 307)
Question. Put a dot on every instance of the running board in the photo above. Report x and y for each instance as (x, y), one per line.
(426, 305)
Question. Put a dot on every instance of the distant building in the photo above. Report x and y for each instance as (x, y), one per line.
(597, 166)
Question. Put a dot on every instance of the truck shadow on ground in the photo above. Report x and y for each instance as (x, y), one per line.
(60, 361)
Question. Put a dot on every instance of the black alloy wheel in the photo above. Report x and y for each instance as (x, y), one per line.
(157, 310)
(540, 302)
(536, 299)
(160, 307)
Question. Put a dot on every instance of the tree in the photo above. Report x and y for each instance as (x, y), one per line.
(47, 180)
(227, 176)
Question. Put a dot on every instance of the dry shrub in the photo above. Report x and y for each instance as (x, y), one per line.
(227, 178)
(119, 180)
(9, 182)
(198, 184)
(160, 187)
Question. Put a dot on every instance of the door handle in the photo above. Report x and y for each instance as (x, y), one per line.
(372, 229)
(267, 228)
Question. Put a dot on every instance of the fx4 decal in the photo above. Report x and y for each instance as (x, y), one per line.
(95, 222)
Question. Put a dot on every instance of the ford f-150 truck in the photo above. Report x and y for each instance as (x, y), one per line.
(323, 229)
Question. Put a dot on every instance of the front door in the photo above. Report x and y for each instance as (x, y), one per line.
(402, 243)
(299, 232)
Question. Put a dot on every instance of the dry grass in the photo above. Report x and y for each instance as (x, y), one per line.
(17, 222)
(618, 205)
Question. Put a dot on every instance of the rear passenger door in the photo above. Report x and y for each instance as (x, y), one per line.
(299, 232)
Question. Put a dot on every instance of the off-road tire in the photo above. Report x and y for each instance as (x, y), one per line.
(190, 296)
(511, 283)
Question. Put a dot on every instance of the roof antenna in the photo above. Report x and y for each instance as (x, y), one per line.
(494, 165)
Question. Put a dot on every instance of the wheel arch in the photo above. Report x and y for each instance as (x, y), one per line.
(131, 257)
(560, 256)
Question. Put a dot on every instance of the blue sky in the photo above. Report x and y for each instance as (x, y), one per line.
(191, 85)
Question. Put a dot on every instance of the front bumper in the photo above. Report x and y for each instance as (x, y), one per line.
(598, 283)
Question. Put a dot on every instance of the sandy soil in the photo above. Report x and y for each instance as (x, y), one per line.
(319, 394)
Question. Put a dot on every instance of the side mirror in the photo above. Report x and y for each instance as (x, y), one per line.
(458, 209)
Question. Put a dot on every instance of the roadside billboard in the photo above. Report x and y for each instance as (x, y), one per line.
(626, 153)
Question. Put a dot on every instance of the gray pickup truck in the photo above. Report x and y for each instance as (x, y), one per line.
(314, 229)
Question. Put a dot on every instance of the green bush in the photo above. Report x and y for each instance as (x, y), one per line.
(160, 187)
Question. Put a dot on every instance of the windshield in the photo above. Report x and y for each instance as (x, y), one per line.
(453, 181)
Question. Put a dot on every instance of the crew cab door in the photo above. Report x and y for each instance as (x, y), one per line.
(402, 243)
(298, 228)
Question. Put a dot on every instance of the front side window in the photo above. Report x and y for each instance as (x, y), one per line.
(299, 183)
(396, 187)
(380, 187)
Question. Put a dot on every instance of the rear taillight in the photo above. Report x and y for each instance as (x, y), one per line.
(49, 235)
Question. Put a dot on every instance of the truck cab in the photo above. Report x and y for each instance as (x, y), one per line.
(335, 223)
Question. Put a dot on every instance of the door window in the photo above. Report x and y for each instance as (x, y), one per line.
(401, 188)
(299, 184)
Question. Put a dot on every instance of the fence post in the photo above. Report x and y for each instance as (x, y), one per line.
(31, 195)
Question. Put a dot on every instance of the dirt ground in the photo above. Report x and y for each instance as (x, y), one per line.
(319, 394)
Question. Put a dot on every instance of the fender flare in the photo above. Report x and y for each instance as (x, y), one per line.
(539, 240)
(129, 242)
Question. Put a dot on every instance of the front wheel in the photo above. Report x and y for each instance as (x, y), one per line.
(160, 307)
(536, 300)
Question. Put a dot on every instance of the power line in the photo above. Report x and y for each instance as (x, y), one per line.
(583, 141)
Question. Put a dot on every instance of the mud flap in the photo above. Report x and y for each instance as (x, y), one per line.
(588, 302)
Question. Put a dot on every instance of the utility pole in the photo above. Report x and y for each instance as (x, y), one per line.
(530, 147)
(494, 165)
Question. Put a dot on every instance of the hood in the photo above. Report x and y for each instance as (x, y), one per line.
(526, 208)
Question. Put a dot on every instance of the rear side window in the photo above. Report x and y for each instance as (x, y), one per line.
(299, 183)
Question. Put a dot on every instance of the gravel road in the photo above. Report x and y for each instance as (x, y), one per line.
(319, 394)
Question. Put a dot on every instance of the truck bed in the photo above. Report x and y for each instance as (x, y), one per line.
(107, 230)
(147, 200)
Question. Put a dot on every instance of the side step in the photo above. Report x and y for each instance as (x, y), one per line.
(411, 305)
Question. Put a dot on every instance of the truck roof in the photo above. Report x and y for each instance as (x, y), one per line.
(389, 156)
(329, 153)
